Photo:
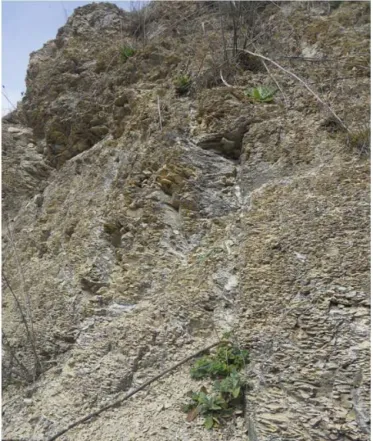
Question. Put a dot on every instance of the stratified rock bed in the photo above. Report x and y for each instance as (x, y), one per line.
(139, 224)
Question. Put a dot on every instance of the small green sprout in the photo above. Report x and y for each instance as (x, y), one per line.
(126, 52)
(261, 93)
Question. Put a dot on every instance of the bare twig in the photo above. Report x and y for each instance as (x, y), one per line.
(24, 321)
(223, 38)
(309, 59)
(14, 356)
(26, 295)
(138, 389)
(304, 84)
(159, 113)
(276, 82)
(21, 274)
(5, 96)
(222, 78)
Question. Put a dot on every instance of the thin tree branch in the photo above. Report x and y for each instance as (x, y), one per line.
(5, 96)
(26, 296)
(277, 83)
(304, 84)
(24, 321)
(222, 78)
(14, 356)
(274, 79)
(138, 389)
(22, 277)
(159, 113)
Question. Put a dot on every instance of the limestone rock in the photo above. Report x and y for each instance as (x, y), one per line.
(138, 226)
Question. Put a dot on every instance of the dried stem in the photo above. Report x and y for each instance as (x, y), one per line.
(159, 113)
(29, 332)
(14, 356)
(222, 78)
(304, 84)
(276, 82)
(20, 272)
(138, 389)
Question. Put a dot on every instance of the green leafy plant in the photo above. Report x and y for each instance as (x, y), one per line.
(126, 52)
(261, 93)
(182, 84)
(233, 356)
(226, 395)
(227, 359)
(231, 386)
(208, 367)
(213, 406)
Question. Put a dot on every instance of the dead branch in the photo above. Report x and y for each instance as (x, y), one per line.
(159, 113)
(30, 323)
(304, 84)
(14, 356)
(138, 389)
(26, 295)
(222, 78)
(274, 79)
(276, 82)
(30, 337)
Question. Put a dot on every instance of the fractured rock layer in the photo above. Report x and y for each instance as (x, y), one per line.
(139, 225)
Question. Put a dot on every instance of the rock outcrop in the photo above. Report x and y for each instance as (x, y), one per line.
(140, 223)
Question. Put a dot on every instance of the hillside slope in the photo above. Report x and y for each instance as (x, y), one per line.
(148, 208)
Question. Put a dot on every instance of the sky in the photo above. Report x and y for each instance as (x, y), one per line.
(26, 26)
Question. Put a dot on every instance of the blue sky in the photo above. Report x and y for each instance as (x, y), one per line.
(26, 26)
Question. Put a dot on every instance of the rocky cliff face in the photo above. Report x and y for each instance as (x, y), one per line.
(141, 220)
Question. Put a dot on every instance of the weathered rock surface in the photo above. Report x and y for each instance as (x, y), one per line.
(25, 171)
(138, 225)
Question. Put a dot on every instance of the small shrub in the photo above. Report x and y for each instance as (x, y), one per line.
(208, 367)
(359, 141)
(261, 94)
(227, 389)
(231, 386)
(227, 359)
(126, 52)
(182, 84)
(218, 404)
(212, 406)
(235, 357)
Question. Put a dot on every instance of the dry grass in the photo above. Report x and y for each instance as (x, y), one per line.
(359, 141)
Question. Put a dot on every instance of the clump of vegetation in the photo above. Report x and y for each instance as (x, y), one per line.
(360, 141)
(182, 84)
(126, 52)
(228, 359)
(227, 390)
(261, 93)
